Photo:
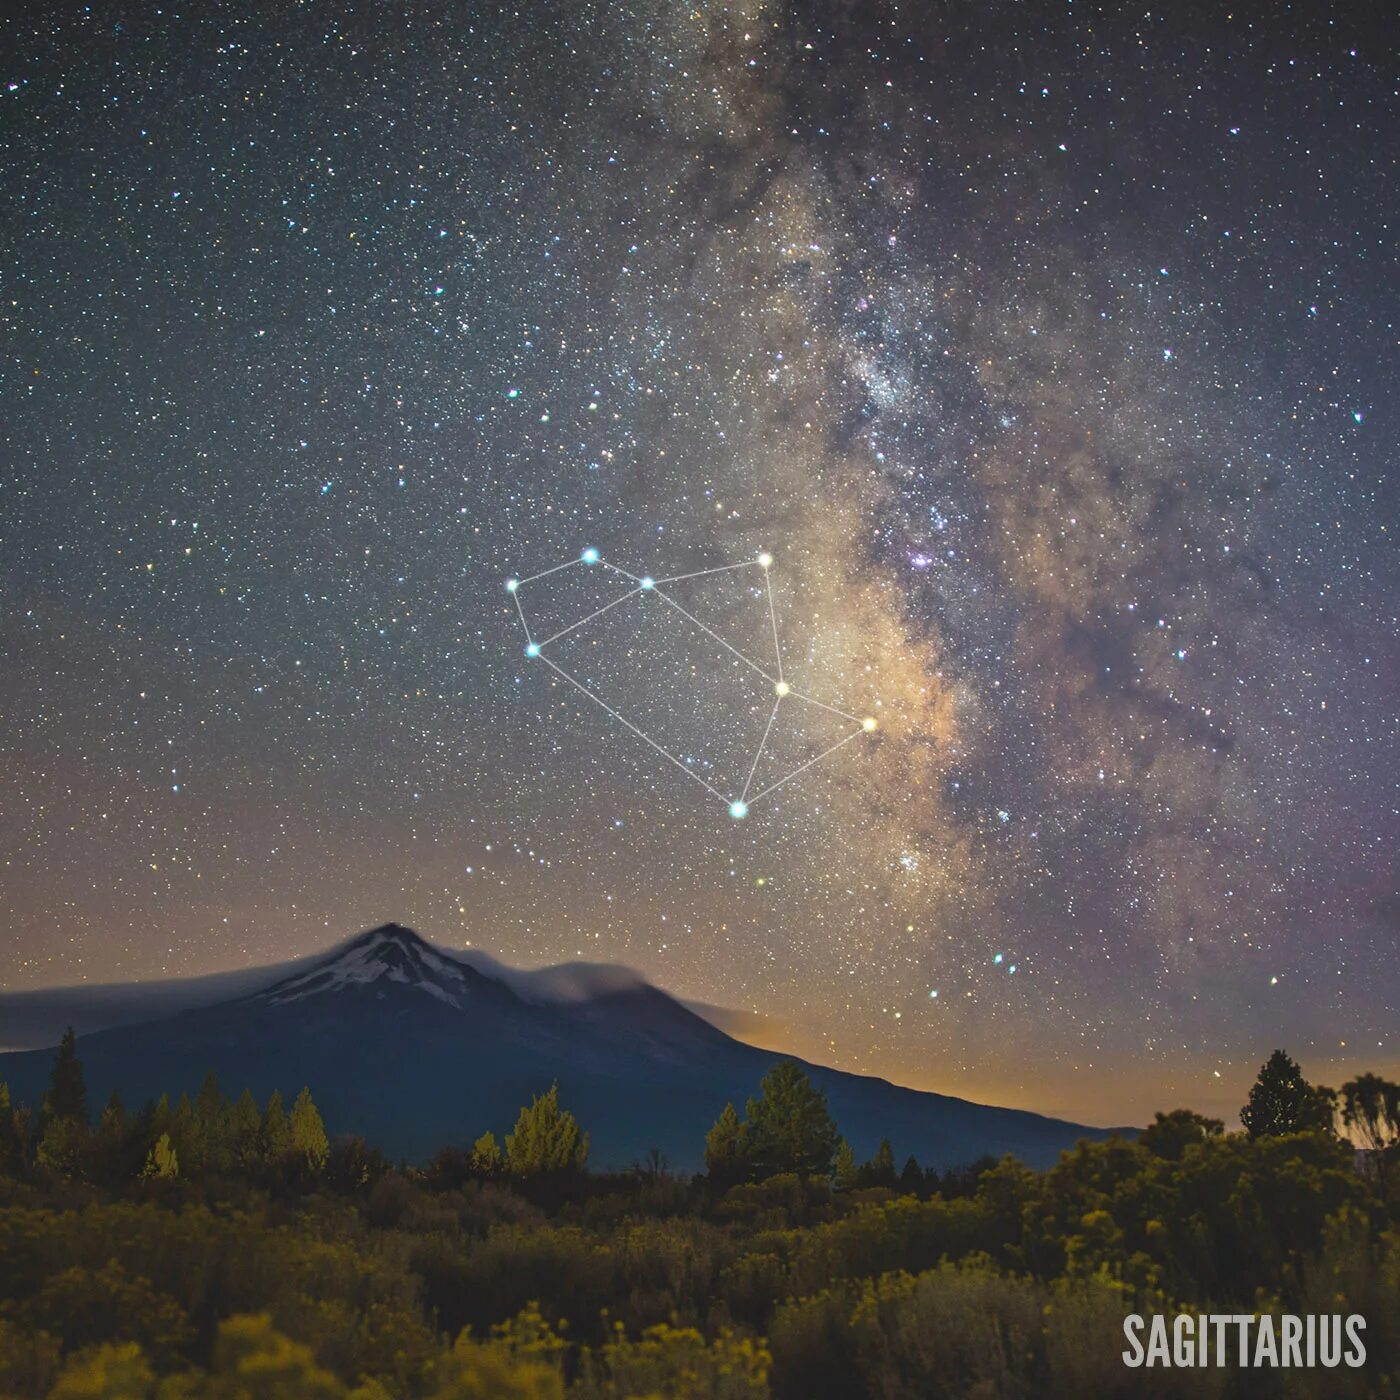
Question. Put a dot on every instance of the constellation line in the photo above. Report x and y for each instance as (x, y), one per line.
(773, 787)
(631, 593)
(700, 573)
(748, 782)
(753, 665)
(545, 573)
(738, 806)
(622, 719)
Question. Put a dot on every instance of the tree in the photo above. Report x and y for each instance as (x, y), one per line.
(727, 1148)
(1282, 1101)
(66, 1096)
(276, 1132)
(546, 1139)
(789, 1127)
(309, 1143)
(14, 1133)
(211, 1117)
(1170, 1134)
(116, 1146)
(487, 1158)
(162, 1164)
(844, 1170)
(244, 1130)
(1371, 1112)
(911, 1179)
(879, 1170)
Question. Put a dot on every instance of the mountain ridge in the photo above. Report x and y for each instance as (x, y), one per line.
(414, 1046)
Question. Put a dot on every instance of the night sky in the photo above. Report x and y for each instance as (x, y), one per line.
(1050, 350)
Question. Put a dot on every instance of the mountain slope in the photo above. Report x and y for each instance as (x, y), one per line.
(414, 1047)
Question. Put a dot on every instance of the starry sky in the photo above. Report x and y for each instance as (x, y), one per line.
(1049, 349)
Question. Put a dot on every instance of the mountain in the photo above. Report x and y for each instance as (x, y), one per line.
(415, 1046)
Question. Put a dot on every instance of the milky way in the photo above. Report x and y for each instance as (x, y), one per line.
(1049, 349)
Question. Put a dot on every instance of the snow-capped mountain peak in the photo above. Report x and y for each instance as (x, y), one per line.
(389, 953)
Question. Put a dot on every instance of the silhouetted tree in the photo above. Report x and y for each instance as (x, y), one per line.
(244, 1131)
(879, 1170)
(727, 1148)
(66, 1096)
(546, 1139)
(1282, 1101)
(789, 1127)
(116, 1146)
(653, 1167)
(353, 1165)
(1371, 1111)
(211, 1124)
(1170, 1134)
(911, 1179)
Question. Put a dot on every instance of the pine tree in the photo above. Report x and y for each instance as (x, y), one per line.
(112, 1142)
(486, 1158)
(244, 1130)
(844, 1170)
(162, 1164)
(309, 1142)
(211, 1118)
(1282, 1101)
(727, 1148)
(879, 1170)
(276, 1132)
(67, 1092)
(911, 1179)
(186, 1136)
(546, 1139)
(789, 1127)
(14, 1135)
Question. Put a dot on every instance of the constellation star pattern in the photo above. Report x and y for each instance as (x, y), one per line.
(738, 803)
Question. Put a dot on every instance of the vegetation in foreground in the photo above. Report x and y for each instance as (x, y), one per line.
(226, 1249)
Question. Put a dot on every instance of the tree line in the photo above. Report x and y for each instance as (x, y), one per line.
(224, 1249)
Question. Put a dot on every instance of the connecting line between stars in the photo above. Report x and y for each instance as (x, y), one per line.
(739, 806)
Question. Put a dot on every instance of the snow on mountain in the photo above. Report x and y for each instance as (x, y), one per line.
(388, 953)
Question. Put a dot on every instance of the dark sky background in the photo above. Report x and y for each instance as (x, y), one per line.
(1051, 350)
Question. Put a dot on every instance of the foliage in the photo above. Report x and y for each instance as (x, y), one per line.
(237, 1269)
(844, 1170)
(67, 1092)
(1371, 1113)
(1170, 1134)
(727, 1147)
(164, 1163)
(487, 1158)
(1282, 1101)
(789, 1127)
(309, 1147)
(546, 1139)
